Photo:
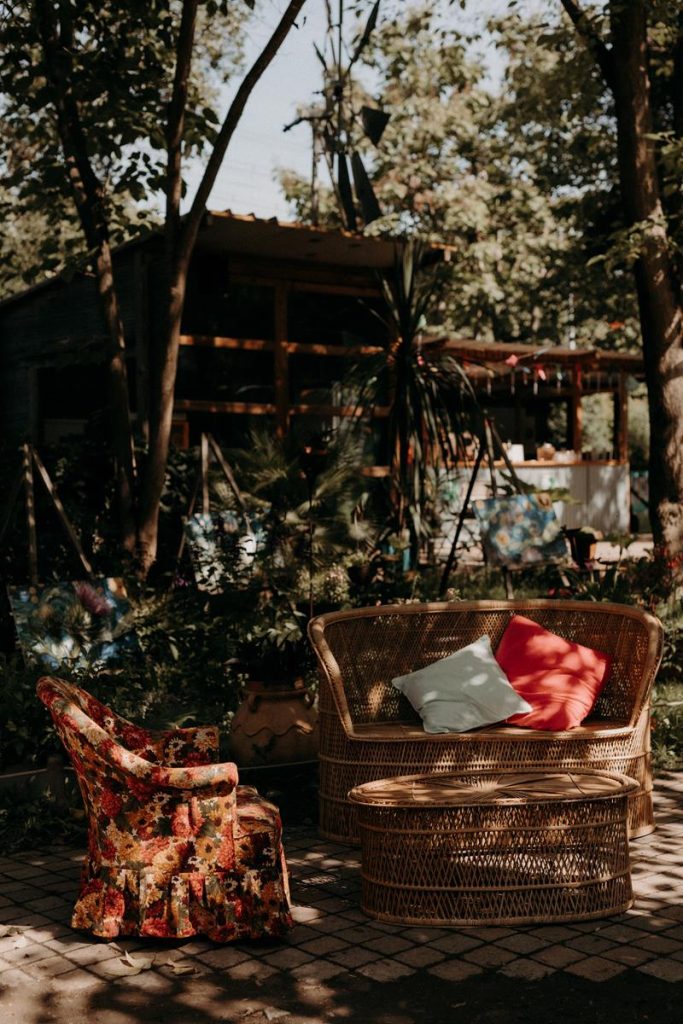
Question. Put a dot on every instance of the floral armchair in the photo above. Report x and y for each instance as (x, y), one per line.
(176, 847)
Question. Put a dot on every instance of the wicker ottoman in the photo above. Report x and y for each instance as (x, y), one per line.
(495, 848)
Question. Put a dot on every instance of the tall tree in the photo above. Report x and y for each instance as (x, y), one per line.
(557, 124)
(180, 241)
(62, 47)
(631, 41)
(487, 170)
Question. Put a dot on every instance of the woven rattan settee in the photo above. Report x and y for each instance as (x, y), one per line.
(369, 731)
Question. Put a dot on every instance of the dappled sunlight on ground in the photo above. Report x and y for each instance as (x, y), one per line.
(337, 964)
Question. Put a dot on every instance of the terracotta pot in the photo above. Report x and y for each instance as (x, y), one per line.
(274, 725)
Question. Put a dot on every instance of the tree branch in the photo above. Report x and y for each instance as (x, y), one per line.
(86, 187)
(194, 217)
(88, 192)
(601, 54)
(176, 119)
(677, 82)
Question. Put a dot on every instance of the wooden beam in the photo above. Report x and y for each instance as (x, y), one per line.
(59, 508)
(620, 441)
(356, 411)
(210, 341)
(268, 409)
(291, 347)
(323, 349)
(576, 410)
(30, 497)
(204, 460)
(188, 516)
(281, 360)
(229, 475)
(237, 408)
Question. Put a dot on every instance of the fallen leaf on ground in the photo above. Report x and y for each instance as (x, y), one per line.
(143, 963)
(9, 929)
(271, 1013)
(126, 965)
(181, 967)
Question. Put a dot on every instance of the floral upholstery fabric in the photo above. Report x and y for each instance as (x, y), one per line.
(176, 848)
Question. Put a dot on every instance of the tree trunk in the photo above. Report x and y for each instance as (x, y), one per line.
(161, 423)
(118, 398)
(88, 195)
(180, 246)
(659, 298)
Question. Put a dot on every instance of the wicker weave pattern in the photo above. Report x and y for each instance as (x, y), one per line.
(554, 859)
(369, 731)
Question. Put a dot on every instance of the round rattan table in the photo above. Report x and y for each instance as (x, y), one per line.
(495, 847)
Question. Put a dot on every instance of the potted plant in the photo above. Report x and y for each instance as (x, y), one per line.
(361, 567)
(309, 495)
(277, 719)
(583, 542)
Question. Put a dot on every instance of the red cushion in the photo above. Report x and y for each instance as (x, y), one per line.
(561, 680)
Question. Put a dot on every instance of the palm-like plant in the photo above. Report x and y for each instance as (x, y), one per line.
(302, 510)
(306, 524)
(431, 401)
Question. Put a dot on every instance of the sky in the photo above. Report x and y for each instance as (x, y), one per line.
(246, 184)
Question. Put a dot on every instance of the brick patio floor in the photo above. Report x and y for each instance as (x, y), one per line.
(337, 961)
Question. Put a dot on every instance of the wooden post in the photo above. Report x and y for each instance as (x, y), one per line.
(620, 439)
(30, 513)
(576, 410)
(189, 514)
(487, 441)
(204, 447)
(59, 509)
(229, 475)
(281, 357)
(450, 561)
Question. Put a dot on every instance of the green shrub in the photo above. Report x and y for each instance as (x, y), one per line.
(41, 821)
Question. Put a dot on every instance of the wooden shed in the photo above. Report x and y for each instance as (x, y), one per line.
(275, 314)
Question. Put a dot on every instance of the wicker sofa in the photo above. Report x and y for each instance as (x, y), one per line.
(369, 731)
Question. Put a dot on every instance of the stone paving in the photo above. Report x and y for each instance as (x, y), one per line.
(48, 971)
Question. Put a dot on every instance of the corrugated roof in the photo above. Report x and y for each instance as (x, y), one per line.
(225, 231)
(246, 234)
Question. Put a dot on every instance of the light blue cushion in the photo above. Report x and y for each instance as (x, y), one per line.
(463, 691)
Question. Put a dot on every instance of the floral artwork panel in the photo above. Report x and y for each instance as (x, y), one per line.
(76, 625)
(222, 550)
(519, 530)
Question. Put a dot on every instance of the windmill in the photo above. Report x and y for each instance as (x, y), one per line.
(336, 120)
